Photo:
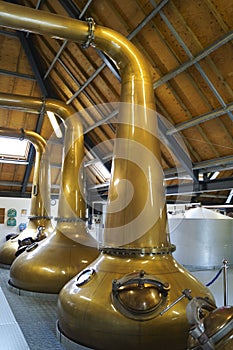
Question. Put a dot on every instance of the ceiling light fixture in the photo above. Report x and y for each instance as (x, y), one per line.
(54, 124)
(12, 161)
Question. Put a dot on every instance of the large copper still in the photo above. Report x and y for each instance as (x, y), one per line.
(131, 296)
(39, 225)
(47, 266)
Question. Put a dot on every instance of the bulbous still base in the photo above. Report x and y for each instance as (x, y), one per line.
(117, 302)
(9, 248)
(7, 253)
(49, 265)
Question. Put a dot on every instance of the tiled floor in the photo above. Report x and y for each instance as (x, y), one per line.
(8, 325)
(36, 318)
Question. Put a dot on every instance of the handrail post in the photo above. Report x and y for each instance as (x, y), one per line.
(225, 281)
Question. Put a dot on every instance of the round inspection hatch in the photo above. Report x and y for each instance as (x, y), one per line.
(139, 296)
(140, 299)
(85, 276)
(31, 247)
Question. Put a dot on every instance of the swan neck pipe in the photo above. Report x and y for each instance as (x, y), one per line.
(37, 140)
(35, 105)
(71, 201)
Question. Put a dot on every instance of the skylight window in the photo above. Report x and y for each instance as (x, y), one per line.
(102, 171)
(12, 149)
(98, 168)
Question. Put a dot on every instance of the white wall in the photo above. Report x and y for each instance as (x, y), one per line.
(18, 204)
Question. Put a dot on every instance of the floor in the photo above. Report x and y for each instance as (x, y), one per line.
(9, 325)
(31, 321)
(36, 318)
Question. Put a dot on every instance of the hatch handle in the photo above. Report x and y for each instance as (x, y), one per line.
(186, 293)
(140, 279)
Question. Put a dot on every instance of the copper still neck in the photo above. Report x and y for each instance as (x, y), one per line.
(71, 201)
(136, 212)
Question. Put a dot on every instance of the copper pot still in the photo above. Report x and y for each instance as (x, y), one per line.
(131, 296)
(45, 266)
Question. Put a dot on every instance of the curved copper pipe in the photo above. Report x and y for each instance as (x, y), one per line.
(73, 151)
(35, 104)
(137, 90)
(73, 140)
(36, 139)
(40, 195)
(49, 272)
(40, 207)
(137, 126)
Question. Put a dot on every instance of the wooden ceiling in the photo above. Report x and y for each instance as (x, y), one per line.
(189, 49)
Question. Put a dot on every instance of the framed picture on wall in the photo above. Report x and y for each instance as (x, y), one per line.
(23, 212)
(2, 215)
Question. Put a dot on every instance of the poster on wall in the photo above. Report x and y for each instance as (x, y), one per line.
(22, 226)
(11, 221)
(11, 213)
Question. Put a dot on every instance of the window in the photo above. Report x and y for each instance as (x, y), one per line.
(13, 150)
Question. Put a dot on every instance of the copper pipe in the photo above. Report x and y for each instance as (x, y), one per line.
(40, 202)
(40, 195)
(73, 138)
(35, 105)
(59, 27)
(137, 90)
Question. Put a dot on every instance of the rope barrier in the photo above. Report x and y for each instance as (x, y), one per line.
(214, 279)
